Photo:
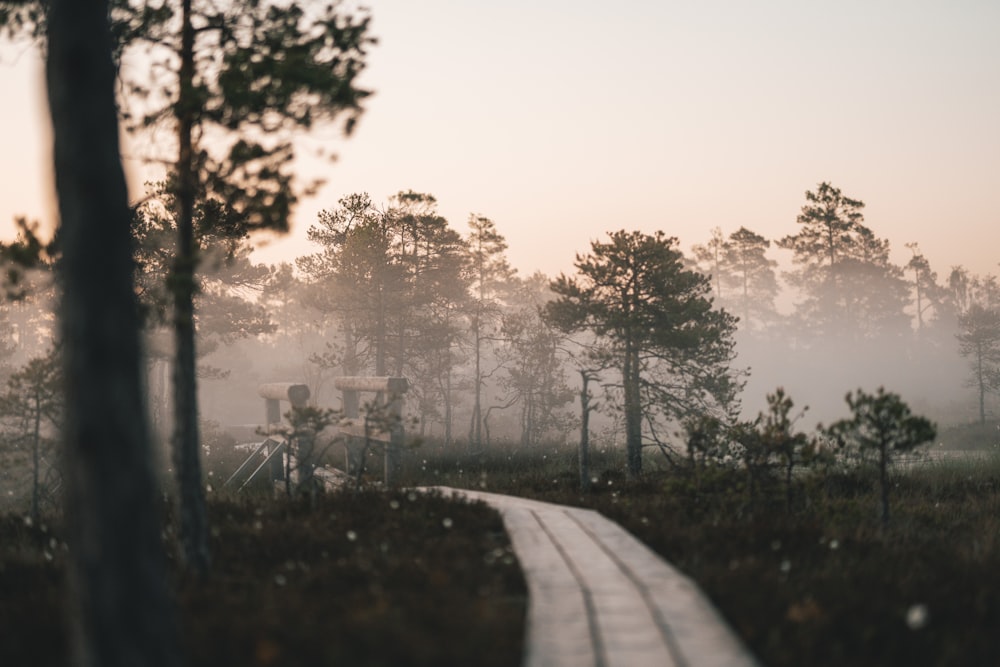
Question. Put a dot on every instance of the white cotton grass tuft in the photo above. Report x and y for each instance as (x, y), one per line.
(917, 616)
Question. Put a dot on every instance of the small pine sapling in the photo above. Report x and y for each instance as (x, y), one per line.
(881, 423)
(778, 438)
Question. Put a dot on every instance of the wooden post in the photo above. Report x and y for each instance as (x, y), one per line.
(351, 407)
(394, 387)
(394, 447)
(272, 411)
(273, 393)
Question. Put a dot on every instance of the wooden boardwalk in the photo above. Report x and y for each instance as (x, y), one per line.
(598, 596)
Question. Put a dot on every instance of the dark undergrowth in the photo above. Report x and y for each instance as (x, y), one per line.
(361, 579)
(376, 578)
(821, 585)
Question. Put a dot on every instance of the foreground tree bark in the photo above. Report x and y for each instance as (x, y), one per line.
(121, 614)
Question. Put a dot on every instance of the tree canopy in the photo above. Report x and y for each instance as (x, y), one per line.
(672, 348)
(849, 286)
(881, 423)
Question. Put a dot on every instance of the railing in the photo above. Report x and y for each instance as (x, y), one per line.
(275, 445)
(383, 426)
(386, 428)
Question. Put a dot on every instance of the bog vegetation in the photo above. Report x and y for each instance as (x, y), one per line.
(820, 582)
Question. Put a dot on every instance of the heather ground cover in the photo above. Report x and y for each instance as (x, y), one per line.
(360, 579)
(400, 578)
(822, 584)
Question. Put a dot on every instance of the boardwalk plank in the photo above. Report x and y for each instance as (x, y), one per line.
(599, 597)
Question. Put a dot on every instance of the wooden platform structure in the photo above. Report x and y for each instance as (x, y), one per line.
(388, 429)
(600, 598)
(268, 454)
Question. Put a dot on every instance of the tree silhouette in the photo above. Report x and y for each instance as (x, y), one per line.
(850, 287)
(33, 402)
(710, 258)
(778, 438)
(751, 278)
(533, 374)
(672, 348)
(979, 342)
(926, 291)
(355, 277)
(119, 601)
(881, 423)
(234, 82)
(392, 278)
(489, 277)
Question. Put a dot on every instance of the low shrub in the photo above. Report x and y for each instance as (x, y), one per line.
(362, 579)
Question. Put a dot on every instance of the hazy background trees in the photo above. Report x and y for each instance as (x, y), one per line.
(848, 287)
(393, 288)
(845, 313)
(370, 293)
(979, 342)
(31, 410)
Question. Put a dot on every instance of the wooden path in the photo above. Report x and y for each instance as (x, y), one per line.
(599, 597)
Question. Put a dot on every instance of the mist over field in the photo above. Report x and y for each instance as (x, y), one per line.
(793, 332)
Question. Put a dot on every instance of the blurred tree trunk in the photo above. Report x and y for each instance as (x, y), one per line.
(121, 613)
(36, 453)
(186, 445)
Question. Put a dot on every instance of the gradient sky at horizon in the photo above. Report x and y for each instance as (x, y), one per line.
(562, 120)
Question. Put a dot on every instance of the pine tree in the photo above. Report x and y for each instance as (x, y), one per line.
(490, 277)
(849, 287)
(750, 276)
(673, 350)
(882, 423)
(241, 80)
(979, 342)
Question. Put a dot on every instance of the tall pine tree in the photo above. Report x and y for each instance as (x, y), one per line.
(672, 348)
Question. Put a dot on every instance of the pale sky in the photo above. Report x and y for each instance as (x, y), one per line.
(564, 120)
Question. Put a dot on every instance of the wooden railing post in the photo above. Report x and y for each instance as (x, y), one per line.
(272, 411)
(297, 395)
(352, 409)
(391, 387)
(394, 448)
